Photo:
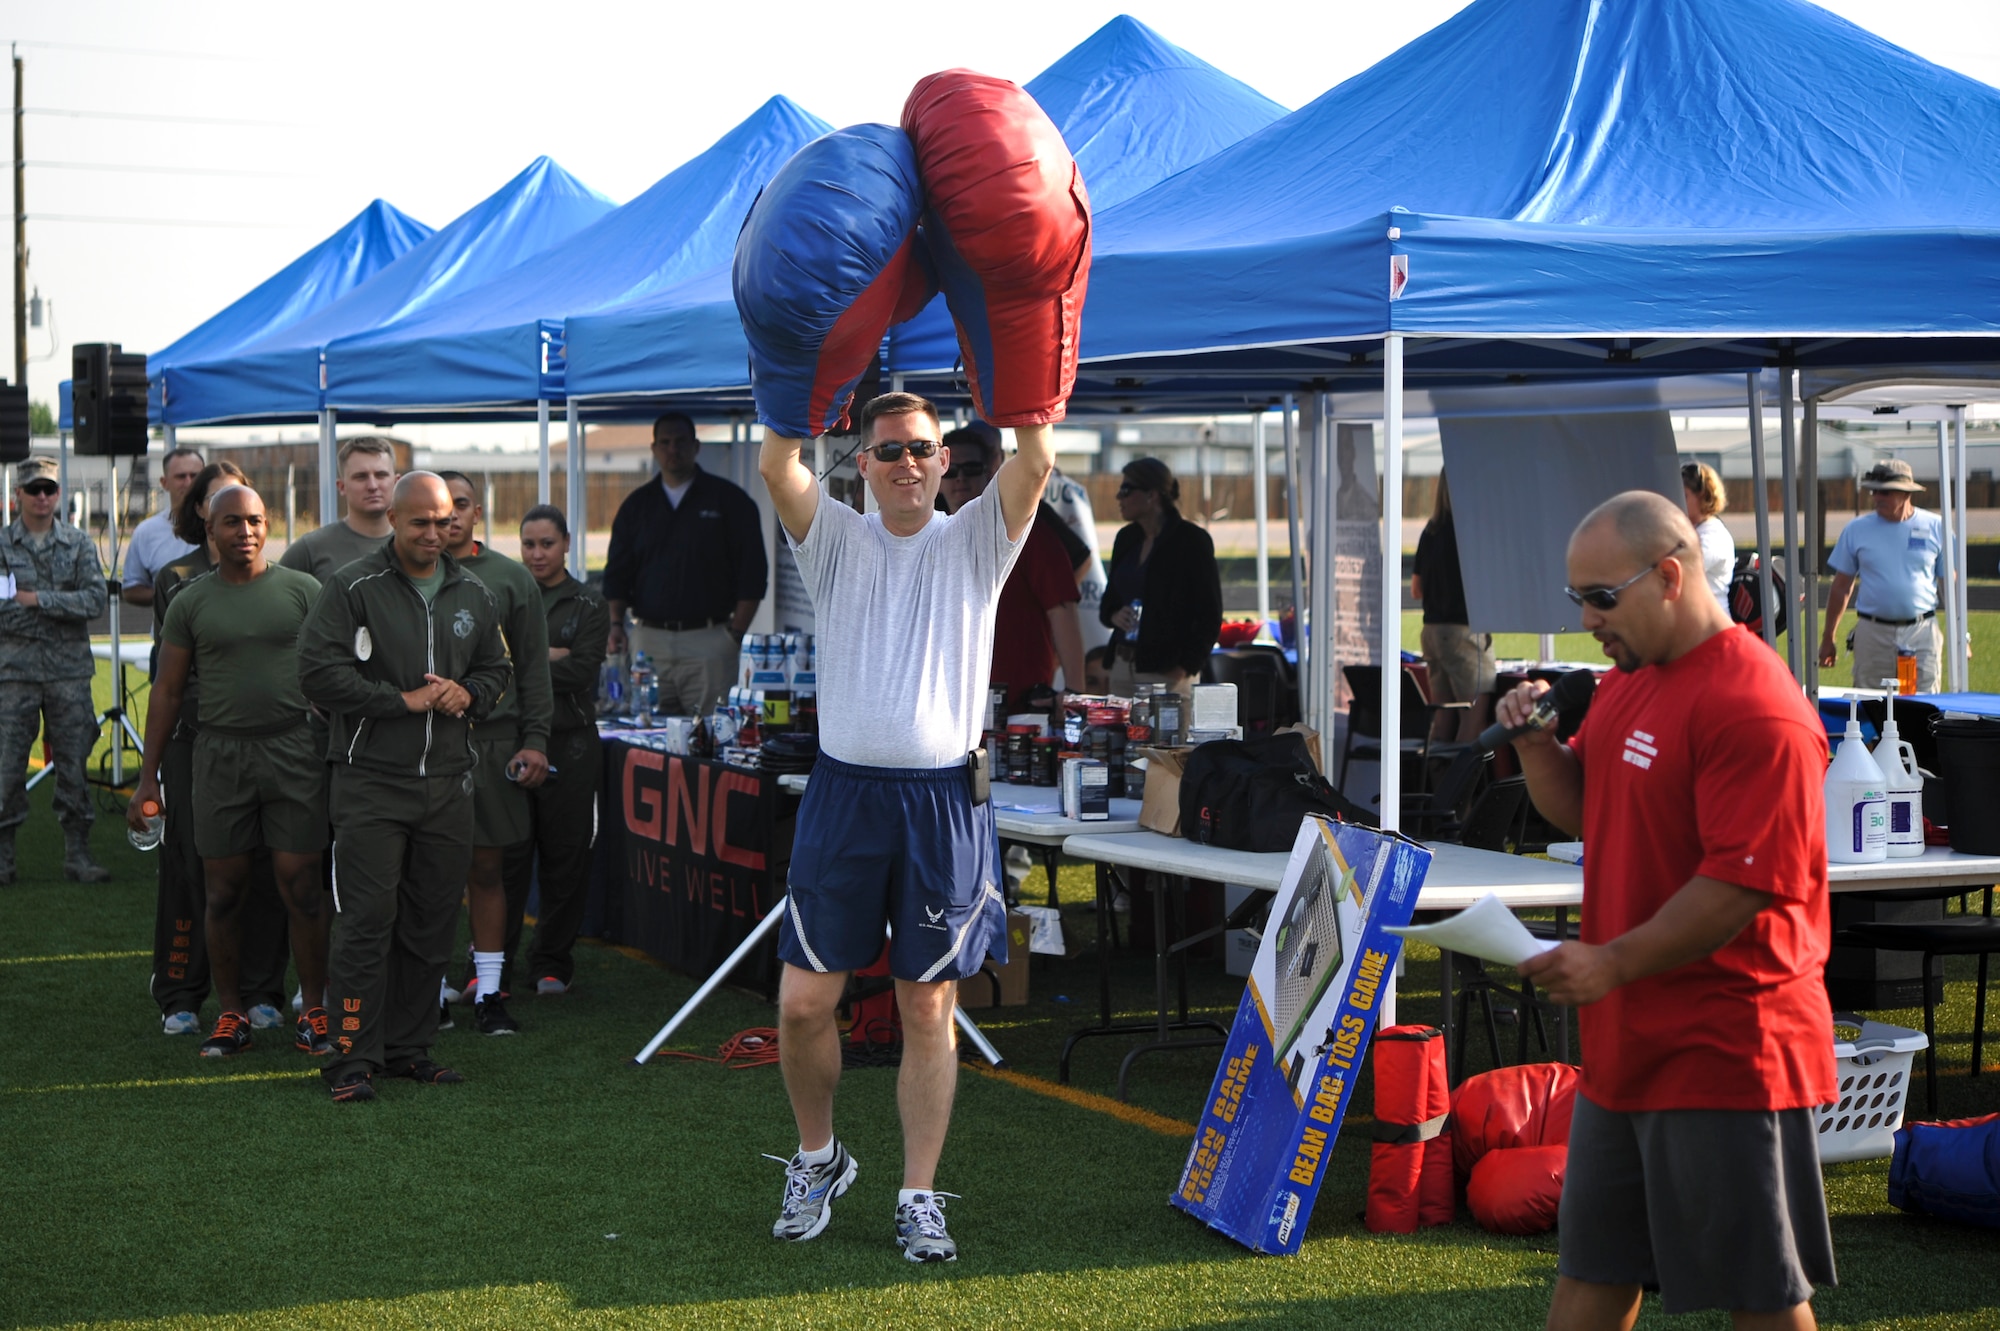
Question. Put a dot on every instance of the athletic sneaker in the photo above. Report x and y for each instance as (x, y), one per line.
(920, 1231)
(264, 1017)
(445, 1022)
(809, 1193)
(492, 1019)
(180, 1023)
(425, 1071)
(354, 1088)
(231, 1036)
(310, 1035)
(550, 987)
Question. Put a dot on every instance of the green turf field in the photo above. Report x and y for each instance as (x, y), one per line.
(562, 1187)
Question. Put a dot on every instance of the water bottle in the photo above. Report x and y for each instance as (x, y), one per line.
(610, 689)
(1138, 609)
(642, 689)
(156, 828)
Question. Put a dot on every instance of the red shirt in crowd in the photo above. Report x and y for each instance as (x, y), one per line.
(1024, 649)
(1709, 765)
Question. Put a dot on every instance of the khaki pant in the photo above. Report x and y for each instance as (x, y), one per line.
(1875, 646)
(1125, 681)
(694, 668)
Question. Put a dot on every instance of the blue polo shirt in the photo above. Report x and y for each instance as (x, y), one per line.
(1898, 563)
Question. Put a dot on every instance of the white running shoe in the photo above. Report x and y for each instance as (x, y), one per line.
(809, 1193)
(264, 1017)
(920, 1230)
(181, 1023)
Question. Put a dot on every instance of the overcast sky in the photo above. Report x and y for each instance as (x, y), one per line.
(433, 105)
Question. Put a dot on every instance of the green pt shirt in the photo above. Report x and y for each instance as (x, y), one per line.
(245, 640)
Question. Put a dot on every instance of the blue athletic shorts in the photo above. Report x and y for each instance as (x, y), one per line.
(896, 847)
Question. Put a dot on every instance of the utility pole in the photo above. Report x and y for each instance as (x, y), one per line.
(20, 237)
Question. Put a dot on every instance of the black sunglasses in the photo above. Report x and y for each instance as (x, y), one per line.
(40, 489)
(1130, 489)
(971, 471)
(1606, 598)
(917, 448)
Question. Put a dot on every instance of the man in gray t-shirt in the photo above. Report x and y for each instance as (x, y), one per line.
(893, 833)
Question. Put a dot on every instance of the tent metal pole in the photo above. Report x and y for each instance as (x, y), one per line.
(1392, 589)
(1949, 508)
(1301, 648)
(542, 432)
(1260, 501)
(1762, 507)
(1321, 590)
(1788, 464)
(1961, 656)
(329, 469)
(579, 546)
(1809, 544)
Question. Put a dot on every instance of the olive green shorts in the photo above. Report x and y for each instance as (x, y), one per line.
(269, 791)
(501, 813)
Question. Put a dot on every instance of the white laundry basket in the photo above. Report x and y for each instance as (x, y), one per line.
(1871, 1065)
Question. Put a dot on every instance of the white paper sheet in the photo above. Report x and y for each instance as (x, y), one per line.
(1486, 929)
(6, 586)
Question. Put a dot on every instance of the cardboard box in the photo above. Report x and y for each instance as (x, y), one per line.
(1161, 809)
(977, 991)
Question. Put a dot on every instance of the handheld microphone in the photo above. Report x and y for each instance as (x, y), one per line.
(1570, 692)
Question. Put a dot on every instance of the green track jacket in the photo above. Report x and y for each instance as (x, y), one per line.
(371, 637)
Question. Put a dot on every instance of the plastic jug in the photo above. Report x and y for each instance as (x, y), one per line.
(1904, 784)
(1857, 800)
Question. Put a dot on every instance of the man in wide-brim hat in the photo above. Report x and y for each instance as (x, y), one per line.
(1897, 553)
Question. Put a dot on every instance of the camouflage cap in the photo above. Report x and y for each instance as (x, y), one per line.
(36, 469)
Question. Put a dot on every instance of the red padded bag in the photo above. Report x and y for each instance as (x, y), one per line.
(1517, 1190)
(1525, 1105)
(1008, 231)
(1409, 1168)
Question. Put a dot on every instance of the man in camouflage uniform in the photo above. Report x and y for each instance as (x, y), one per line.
(57, 587)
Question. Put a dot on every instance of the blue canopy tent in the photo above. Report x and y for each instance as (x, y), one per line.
(1562, 189)
(1134, 109)
(372, 240)
(277, 377)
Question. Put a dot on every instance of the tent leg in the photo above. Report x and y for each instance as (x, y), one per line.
(579, 520)
(1947, 504)
(1320, 586)
(1301, 647)
(1261, 507)
(1810, 543)
(1762, 507)
(329, 469)
(1788, 466)
(542, 467)
(1961, 651)
(1392, 597)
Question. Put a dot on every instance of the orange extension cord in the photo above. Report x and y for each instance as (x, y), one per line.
(754, 1048)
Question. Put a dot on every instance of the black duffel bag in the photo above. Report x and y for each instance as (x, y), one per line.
(1253, 794)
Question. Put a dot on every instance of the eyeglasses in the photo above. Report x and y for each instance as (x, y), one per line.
(1130, 489)
(39, 489)
(917, 448)
(970, 471)
(1606, 598)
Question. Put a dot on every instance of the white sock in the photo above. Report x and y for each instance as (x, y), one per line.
(823, 1156)
(912, 1196)
(444, 991)
(487, 964)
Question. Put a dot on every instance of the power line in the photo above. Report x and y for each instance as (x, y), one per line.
(164, 221)
(137, 50)
(175, 120)
(165, 170)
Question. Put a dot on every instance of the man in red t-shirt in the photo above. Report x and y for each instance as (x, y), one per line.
(1036, 628)
(1707, 1037)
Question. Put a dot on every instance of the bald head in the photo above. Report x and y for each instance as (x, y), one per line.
(233, 498)
(1639, 549)
(236, 528)
(420, 512)
(1646, 526)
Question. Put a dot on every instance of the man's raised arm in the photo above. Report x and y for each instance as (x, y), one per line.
(794, 492)
(1023, 477)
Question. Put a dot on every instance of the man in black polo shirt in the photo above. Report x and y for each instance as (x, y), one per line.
(687, 559)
